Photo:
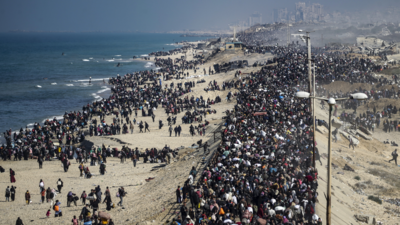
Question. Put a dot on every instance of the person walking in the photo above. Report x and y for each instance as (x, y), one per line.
(81, 168)
(178, 195)
(170, 130)
(27, 197)
(41, 185)
(49, 194)
(141, 127)
(108, 201)
(43, 193)
(146, 127)
(12, 191)
(8, 193)
(205, 146)
(12, 176)
(57, 209)
(394, 155)
(83, 197)
(121, 193)
(74, 221)
(60, 184)
(131, 127)
(19, 222)
(351, 144)
(40, 161)
(71, 198)
(134, 159)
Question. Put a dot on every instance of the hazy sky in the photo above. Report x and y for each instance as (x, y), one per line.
(149, 15)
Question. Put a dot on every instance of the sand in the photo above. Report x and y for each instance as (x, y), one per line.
(377, 177)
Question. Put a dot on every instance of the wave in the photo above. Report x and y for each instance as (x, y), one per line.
(110, 60)
(117, 55)
(98, 79)
(145, 55)
(38, 86)
(149, 64)
(51, 118)
(173, 44)
(69, 85)
(91, 58)
(96, 96)
(30, 125)
(85, 60)
(54, 83)
(103, 90)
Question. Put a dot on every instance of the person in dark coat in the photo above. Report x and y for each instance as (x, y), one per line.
(178, 195)
(12, 190)
(12, 176)
(108, 201)
(19, 222)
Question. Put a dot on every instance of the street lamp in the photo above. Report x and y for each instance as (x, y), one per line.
(331, 102)
(311, 88)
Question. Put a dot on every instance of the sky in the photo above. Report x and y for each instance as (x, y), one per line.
(150, 15)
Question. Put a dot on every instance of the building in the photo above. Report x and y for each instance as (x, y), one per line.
(281, 15)
(234, 46)
(303, 12)
(255, 18)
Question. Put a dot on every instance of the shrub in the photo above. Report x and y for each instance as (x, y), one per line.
(357, 177)
(375, 199)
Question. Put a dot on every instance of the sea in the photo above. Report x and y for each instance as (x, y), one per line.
(44, 75)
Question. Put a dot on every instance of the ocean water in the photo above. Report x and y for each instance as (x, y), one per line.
(27, 58)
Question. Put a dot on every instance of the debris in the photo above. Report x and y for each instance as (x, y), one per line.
(149, 179)
(348, 168)
(362, 218)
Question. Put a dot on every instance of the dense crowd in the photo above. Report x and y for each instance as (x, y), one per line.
(262, 171)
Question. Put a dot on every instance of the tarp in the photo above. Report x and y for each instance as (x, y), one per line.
(259, 113)
(104, 215)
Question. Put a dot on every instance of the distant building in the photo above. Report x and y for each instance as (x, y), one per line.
(303, 12)
(281, 15)
(255, 18)
(234, 46)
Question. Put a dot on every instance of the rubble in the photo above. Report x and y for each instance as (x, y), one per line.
(348, 168)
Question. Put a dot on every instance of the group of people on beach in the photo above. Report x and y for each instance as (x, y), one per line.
(260, 173)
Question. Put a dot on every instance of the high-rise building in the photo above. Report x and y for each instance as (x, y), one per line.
(303, 12)
(255, 18)
(281, 15)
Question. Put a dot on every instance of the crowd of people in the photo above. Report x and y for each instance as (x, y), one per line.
(262, 171)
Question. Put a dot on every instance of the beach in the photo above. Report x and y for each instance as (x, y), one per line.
(144, 197)
(153, 201)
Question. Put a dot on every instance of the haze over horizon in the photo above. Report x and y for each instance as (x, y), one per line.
(152, 15)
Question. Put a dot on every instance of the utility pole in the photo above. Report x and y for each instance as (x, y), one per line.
(328, 199)
(288, 42)
(288, 34)
(322, 39)
(234, 34)
(313, 114)
(311, 87)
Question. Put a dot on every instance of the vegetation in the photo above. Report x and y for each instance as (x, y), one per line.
(375, 199)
